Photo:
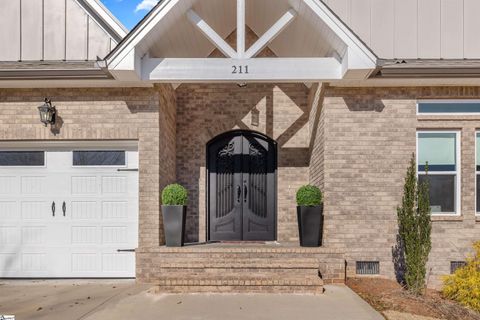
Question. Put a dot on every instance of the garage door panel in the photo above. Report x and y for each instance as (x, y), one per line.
(9, 185)
(9, 211)
(34, 235)
(85, 263)
(9, 264)
(114, 185)
(34, 262)
(84, 210)
(35, 210)
(85, 234)
(9, 237)
(33, 185)
(116, 210)
(118, 263)
(82, 185)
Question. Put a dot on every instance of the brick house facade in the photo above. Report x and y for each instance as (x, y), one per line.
(349, 129)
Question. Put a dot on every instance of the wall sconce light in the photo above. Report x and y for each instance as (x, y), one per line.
(47, 113)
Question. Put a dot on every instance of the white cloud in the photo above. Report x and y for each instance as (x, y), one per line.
(146, 5)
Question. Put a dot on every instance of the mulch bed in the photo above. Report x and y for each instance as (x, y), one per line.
(386, 295)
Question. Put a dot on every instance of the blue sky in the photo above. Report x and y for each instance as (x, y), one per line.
(129, 12)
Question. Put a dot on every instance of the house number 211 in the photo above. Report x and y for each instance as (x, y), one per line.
(240, 69)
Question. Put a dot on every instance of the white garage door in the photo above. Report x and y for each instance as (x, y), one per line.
(68, 211)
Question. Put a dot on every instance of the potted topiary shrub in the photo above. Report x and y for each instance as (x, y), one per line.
(174, 210)
(310, 216)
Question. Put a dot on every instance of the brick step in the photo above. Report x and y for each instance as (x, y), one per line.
(239, 256)
(260, 289)
(274, 263)
(188, 273)
(241, 248)
(252, 284)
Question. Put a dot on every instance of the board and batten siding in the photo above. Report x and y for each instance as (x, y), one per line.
(34, 30)
(411, 29)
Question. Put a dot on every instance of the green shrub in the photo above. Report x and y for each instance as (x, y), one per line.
(309, 196)
(174, 195)
(414, 227)
(464, 285)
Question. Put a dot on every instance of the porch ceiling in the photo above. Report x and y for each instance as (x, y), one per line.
(176, 37)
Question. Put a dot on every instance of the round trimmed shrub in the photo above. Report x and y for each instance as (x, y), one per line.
(174, 195)
(309, 196)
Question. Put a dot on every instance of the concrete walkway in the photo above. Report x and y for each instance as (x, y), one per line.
(95, 300)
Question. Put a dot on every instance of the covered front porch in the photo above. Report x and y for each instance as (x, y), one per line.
(254, 66)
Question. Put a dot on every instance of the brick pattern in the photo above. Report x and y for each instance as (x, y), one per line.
(106, 114)
(369, 135)
(242, 268)
(279, 111)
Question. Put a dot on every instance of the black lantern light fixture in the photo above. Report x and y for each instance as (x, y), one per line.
(47, 113)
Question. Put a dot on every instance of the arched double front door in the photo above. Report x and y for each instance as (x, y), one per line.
(242, 192)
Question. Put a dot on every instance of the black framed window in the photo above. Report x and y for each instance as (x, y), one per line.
(22, 158)
(99, 158)
(439, 151)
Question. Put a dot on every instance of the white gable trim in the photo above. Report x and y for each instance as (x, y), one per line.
(137, 34)
(107, 17)
(126, 63)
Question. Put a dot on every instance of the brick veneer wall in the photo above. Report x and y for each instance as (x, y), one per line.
(279, 111)
(369, 136)
(146, 115)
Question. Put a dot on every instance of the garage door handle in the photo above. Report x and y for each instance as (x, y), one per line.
(53, 208)
(125, 250)
(127, 170)
(64, 208)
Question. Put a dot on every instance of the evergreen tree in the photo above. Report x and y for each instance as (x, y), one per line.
(414, 226)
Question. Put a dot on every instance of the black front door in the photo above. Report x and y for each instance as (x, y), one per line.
(242, 187)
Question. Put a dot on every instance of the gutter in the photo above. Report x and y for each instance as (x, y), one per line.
(55, 71)
(427, 68)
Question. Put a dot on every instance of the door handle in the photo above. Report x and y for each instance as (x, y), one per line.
(64, 208)
(53, 208)
(245, 191)
(239, 193)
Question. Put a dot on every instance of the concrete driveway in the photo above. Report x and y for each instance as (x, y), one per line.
(126, 300)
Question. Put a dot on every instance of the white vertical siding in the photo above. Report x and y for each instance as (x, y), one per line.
(54, 30)
(341, 9)
(34, 30)
(406, 24)
(77, 32)
(452, 29)
(10, 30)
(382, 28)
(98, 43)
(472, 28)
(429, 29)
(360, 19)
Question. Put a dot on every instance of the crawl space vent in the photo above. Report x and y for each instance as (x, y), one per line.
(368, 267)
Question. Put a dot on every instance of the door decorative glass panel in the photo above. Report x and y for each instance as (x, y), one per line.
(242, 187)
